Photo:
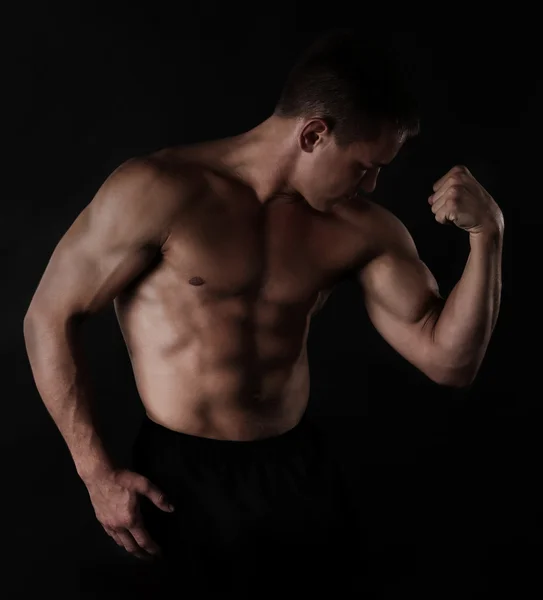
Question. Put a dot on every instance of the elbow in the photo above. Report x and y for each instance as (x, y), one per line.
(37, 320)
(28, 323)
(42, 313)
(32, 323)
(34, 314)
(456, 382)
(30, 335)
(458, 378)
(31, 320)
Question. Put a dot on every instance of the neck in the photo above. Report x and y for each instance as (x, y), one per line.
(261, 158)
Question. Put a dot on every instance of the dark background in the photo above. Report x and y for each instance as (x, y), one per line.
(445, 479)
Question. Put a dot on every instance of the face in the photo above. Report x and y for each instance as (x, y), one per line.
(326, 174)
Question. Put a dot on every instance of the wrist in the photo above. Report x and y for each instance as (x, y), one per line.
(489, 232)
(91, 469)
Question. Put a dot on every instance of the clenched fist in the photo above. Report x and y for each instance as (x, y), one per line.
(460, 199)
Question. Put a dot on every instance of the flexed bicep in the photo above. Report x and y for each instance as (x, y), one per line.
(402, 300)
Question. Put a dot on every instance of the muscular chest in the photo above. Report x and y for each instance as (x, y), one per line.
(280, 254)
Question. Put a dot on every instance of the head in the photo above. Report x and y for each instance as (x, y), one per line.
(353, 112)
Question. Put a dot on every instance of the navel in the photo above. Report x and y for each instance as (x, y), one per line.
(196, 281)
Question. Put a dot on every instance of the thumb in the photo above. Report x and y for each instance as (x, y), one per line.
(158, 498)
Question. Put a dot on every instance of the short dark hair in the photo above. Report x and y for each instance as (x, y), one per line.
(354, 84)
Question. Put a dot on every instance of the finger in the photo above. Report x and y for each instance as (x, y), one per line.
(119, 541)
(144, 541)
(451, 190)
(130, 544)
(114, 536)
(442, 180)
(445, 187)
(127, 541)
(446, 214)
(146, 488)
(457, 170)
(438, 199)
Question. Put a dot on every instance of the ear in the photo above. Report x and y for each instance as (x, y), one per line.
(314, 132)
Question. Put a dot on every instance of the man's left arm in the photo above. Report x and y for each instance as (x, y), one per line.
(446, 340)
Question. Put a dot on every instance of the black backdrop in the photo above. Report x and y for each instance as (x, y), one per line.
(445, 479)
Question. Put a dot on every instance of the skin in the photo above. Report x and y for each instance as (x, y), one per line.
(216, 256)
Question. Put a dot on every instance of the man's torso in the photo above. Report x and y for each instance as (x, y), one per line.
(216, 327)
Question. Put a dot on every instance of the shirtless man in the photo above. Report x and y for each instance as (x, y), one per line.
(216, 256)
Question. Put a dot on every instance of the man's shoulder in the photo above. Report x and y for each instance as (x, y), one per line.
(192, 169)
(147, 193)
(374, 221)
(167, 170)
(380, 233)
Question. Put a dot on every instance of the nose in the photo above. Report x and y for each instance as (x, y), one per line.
(369, 181)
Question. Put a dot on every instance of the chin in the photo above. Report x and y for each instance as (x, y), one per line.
(319, 206)
(323, 204)
(329, 204)
(328, 207)
(338, 201)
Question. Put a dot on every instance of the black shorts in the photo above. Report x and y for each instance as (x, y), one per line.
(263, 515)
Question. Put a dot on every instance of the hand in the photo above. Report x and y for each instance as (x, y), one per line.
(114, 496)
(460, 199)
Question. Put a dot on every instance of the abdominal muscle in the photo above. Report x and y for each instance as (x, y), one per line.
(224, 371)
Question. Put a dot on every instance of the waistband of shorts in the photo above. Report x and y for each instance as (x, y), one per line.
(179, 438)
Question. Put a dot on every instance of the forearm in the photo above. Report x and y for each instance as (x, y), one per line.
(61, 376)
(464, 327)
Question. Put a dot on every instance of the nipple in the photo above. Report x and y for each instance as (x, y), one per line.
(196, 281)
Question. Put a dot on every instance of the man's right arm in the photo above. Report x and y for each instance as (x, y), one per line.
(111, 242)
